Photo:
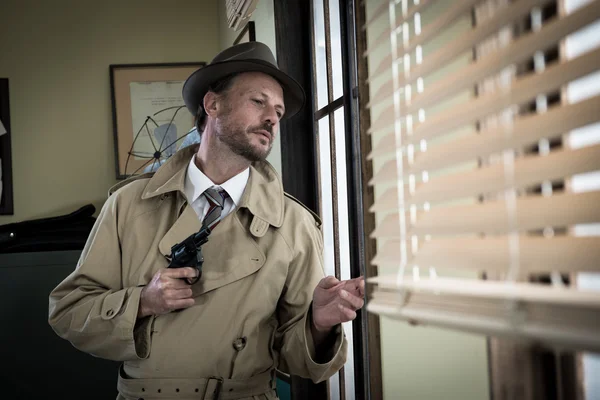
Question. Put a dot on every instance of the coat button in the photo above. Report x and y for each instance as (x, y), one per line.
(239, 343)
(109, 312)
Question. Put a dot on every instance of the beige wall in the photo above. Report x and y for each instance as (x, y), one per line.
(57, 55)
(264, 20)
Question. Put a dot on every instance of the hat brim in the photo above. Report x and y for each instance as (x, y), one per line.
(196, 86)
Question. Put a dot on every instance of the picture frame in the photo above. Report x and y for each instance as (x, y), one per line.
(148, 113)
(6, 178)
(248, 34)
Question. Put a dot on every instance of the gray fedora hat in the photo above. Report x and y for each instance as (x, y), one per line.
(244, 57)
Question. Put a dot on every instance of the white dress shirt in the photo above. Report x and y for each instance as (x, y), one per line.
(196, 183)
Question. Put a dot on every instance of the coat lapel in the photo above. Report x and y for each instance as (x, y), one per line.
(229, 255)
(264, 197)
(231, 252)
(186, 224)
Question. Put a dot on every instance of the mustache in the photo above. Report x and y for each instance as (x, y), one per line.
(265, 127)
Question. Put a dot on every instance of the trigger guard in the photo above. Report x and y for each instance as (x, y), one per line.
(191, 281)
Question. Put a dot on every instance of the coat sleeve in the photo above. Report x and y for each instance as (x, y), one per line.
(90, 308)
(294, 338)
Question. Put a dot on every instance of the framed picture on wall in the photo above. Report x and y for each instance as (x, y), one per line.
(248, 34)
(149, 116)
(6, 181)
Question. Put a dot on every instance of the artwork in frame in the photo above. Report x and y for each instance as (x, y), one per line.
(6, 181)
(149, 116)
(248, 34)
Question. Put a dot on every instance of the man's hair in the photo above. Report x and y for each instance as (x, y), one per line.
(220, 86)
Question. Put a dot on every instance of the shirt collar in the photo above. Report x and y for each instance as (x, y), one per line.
(196, 183)
(263, 195)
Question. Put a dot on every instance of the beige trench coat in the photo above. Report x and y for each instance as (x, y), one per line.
(252, 305)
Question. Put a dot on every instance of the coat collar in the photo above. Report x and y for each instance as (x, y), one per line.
(263, 195)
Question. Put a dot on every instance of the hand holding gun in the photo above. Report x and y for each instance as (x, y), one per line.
(188, 253)
(166, 292)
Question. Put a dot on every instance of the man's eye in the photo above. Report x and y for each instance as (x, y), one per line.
(279, 115)
(257, 101)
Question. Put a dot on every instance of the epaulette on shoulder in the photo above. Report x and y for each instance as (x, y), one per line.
(315, 215)
(128, 181)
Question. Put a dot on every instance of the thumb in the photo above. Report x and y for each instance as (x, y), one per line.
(328, 282)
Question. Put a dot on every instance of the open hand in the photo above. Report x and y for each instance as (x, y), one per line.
(167, 291)
(336, 301)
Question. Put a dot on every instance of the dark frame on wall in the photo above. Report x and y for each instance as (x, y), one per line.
(126, 131)
(294, 32)
(6, 198)
(365, 328)
(298, 142)
(248, 34)
(298, 146)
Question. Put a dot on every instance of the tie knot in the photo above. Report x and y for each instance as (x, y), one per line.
(215, 196)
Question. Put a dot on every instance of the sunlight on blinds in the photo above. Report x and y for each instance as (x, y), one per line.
(469, 177)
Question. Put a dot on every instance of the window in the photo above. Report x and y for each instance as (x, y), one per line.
(331, 105)
(484, 120)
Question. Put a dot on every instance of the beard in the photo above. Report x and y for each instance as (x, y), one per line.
(237, 138)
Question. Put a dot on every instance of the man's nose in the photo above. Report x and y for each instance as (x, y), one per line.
(271, 116)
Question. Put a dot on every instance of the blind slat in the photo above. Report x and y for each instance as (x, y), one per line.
(467, 205)
(521, 90)
(569, 327)
(400, 19)
(491, 254)
(385, 35)
(462, 44)
(527, 171)
(385, 146)
(379, 11)
(525, 130)
(533, 212)
(520, 291)
(518, 51)
(457, 10)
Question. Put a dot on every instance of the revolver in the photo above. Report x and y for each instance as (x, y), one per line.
(188, 253)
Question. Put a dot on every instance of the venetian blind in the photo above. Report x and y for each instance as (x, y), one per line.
(239, 12)
(464, 169)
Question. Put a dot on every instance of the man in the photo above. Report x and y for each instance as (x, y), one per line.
(261, 302)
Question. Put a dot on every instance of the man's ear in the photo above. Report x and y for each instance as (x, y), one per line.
(211, 103)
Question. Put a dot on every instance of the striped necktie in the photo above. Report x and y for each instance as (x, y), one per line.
(216, 198)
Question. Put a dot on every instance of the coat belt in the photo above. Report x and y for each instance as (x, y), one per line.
(213, 388)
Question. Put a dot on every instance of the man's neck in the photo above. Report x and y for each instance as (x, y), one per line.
(218, 163)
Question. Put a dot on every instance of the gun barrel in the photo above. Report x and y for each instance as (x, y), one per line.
(202, 236)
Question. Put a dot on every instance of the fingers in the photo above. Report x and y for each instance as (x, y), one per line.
(361, 287)
(347, 313)
(185, 272)
(328, 282)
(175, 299)
(177, 294)
(179, 304)
(355, 286)
(351, 301)
(180, 284)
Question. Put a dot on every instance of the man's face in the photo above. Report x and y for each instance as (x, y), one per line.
(249, 115)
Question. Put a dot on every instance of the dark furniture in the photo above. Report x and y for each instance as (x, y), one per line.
(37, 363)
